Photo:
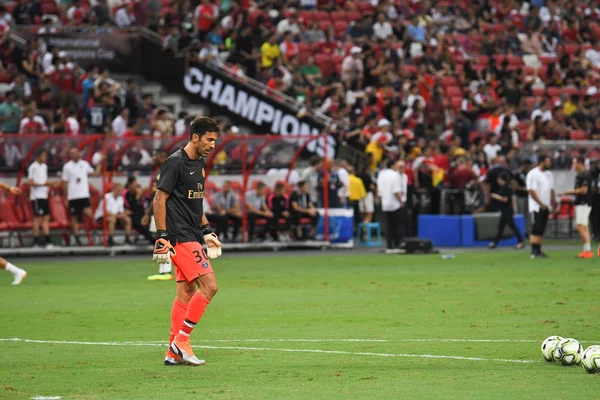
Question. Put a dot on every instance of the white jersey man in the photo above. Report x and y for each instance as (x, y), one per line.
(542, 199)
(37, 175)
(77, 191)
(392, 191)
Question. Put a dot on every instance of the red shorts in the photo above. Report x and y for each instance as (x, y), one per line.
(190, 261)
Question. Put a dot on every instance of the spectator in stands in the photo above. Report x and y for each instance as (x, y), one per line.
(135, 207)
(12, 154)
(314, 34)
(227, 208)
(119, 124)
(492, 148)
(301, 207)
(97, 116)
(124, 16)
(333, 186)
(288, 49)
(10, 114)
(382, 29)
(31, 123)
(21, 88)
(257, 210)
(205, 17)
(270, 53)
(279, 205)
(289, 24)
(72, 126)
(100, 14)
(76, 189)
(353, 68)
(115, 212)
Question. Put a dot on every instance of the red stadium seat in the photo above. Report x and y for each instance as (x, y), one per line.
(304, 51)
(308, 16)
(353, 16)
(515, 61)
(365, 7)
(578, 135)
(236, 186)
(454, 91)
(449, 81)
(322, 16)
(209, 186)
(546, 60)
(325, 25)
(58, 211)
(570, 90)
(554, 91)
(339, 16)
(570, 48)
(325, 62)
(538, 91)
(456, 102)
(340, 28)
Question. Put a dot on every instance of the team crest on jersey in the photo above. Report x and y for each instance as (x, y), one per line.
(204, 264)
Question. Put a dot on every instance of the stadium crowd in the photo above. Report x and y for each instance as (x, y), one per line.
(451, 88)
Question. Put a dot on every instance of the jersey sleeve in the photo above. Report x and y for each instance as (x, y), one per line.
(169, 175)
(529, 182)
(30, 172)
(89, 168)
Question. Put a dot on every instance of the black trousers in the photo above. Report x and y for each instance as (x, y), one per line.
(355, 204)
(222, 222)
(596, 217)
(136, 223)
(508, 218)
(395, 227)
(276, 225)
(252, 220)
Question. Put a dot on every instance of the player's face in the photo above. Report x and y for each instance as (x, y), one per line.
(75, 156)
(205, 144)
(43, 157)
(547, 163)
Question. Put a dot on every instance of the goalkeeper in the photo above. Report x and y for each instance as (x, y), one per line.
(181, 229)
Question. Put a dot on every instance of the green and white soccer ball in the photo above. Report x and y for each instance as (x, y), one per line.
(548, 347)
(591, 359)
(568, 352)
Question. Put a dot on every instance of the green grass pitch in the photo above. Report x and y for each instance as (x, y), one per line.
(279, 328)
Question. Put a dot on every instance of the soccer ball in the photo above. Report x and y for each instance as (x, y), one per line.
(568, 351)
(591, 359)
(548, 347)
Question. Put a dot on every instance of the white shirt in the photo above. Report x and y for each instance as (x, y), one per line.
(76, 176)
(124, 19)
(491, 151)
(285, 26)
(38, 173)
(114, 205)
(382, 31)
(26, 88)
(543, 184)
(344, 177)
(37, 119)
(512, 124)
(546, 115)
(47, 61)
(389, 182)
(119, 126)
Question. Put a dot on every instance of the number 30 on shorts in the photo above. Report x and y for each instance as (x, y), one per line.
(200, 257)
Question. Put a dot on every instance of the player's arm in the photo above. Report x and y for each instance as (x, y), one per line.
(12, 189)
(575, 192)
(159, 205)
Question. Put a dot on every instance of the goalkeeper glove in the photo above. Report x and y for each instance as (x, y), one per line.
(213, 245)
(162, 248)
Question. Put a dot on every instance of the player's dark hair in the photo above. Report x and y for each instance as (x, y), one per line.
(260, 185)
(279, 185)
(301, 183)
(542, 159)
(580, 160)
(202, 125)
(40, 152)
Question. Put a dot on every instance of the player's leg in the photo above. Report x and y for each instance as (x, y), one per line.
(501, 224)
(184, 294)
(125, 221)
(207, 288)
(534, 237)
(35, 228)
(18, 273)
(513, 226)
(582, 216)
(194, 267)
(46, 230)
(111, 221)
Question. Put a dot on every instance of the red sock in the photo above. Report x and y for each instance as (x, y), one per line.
(177, 316)
(195, 310)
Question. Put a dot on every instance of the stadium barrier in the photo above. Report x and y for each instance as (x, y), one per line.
(243, 160)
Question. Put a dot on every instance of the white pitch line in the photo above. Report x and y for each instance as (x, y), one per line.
(357, 340)
(353, 353)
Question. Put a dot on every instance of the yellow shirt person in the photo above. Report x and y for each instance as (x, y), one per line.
(357, 188)
(269, 52)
